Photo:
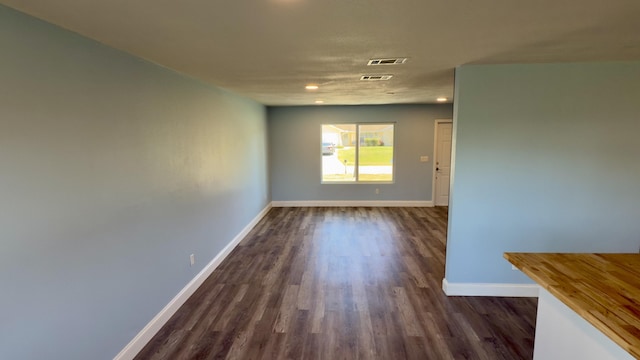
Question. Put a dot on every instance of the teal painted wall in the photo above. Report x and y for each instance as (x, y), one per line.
(295, 162)
(112, 171)
(545, 160)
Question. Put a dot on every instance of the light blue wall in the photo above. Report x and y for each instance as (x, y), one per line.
(295, 137)
(546, 160)
(112, 171)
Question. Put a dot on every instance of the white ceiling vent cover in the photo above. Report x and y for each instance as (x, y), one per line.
(375, 77)
(387, 61)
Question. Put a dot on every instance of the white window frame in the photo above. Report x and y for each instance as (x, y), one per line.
(357, 155)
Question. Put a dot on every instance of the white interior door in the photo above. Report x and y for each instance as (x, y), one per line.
(443, 163)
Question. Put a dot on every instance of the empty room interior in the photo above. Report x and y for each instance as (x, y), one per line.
(289, 179)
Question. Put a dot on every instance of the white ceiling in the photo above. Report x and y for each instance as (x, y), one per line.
(268, 50)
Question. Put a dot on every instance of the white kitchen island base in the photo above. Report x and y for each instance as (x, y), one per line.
(562, 334)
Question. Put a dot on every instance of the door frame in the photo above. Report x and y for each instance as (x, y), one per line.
(435, 155)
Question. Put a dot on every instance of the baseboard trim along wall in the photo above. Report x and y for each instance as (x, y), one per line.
(147, 333)
(490, 289)
(363, 203)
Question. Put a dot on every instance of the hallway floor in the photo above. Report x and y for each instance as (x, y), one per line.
(343, 283)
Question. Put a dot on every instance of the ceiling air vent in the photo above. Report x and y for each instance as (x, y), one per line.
(387, 61)
(375, 77)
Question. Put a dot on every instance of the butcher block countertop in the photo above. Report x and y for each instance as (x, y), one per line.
(602, 288)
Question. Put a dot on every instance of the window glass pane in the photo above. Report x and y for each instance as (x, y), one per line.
(375, 156)
(338, 152)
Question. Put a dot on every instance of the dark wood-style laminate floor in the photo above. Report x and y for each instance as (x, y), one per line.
(343, 283)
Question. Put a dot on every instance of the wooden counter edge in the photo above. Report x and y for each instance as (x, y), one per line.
(513, 258)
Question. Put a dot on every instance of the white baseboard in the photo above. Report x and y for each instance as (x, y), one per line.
(489, 289)
(147, 333)
(355, 203)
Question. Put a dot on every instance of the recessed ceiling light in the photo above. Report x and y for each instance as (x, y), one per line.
(319, 101)
(311, 87)
(441, 99)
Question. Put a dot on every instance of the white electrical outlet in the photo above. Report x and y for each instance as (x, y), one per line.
(424, 158)
(192, 259)
(377, 191)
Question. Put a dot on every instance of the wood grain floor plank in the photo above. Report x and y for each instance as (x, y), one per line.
(342, 283)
